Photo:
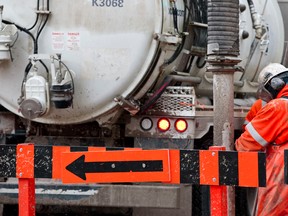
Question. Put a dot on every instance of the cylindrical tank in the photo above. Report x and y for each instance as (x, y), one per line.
(117, 49)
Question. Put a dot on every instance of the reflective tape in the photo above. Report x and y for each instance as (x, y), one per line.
(256, 136)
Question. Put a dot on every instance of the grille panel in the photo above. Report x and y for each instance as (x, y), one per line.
(176, 101)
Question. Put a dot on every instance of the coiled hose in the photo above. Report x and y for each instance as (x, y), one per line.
(223, 27)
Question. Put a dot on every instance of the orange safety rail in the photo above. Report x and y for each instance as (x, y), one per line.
(201, 167)
(81, 164)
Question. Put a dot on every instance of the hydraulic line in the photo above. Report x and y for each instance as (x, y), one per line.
(199, 8)
(24, 30)
(185, 25)
(37, 17)
(175, 18)
(166, 82)
(35, 39)
(41, 27)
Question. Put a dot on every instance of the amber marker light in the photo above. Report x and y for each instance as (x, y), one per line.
(181, 125)
(163, 124)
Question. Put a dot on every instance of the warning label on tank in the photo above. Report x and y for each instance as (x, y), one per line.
(73, 41)
(58, 39)
(65, 41)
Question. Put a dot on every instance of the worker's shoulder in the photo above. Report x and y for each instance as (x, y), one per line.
(277, 103)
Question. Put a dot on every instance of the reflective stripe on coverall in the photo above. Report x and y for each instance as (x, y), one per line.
(270, 125)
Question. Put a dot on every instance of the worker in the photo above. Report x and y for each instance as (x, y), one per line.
(268, 131)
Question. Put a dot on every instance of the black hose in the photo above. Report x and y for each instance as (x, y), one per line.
(42, 27)
(176, 53)
(185, 26)
(38, 34)
(24, 30)
(46, 68)
(37, 17)
(166, 82)
(175, 18)
(35, 40)
(198, 61)
(27, 69)
(250, 2)
(199, 8)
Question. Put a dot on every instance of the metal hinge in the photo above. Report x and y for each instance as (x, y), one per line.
(130, 105)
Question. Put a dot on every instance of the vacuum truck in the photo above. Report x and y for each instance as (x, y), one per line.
(127, 73)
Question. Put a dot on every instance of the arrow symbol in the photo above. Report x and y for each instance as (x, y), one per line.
(79, 167)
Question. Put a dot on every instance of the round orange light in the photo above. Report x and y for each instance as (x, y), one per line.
(163, 124)
(181, 125)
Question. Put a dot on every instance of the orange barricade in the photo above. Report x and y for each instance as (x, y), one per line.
(212, 167)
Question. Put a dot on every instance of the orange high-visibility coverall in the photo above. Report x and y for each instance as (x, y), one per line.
(268, 131)
(254, 110)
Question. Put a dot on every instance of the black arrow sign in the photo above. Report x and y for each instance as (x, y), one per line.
(79, 167)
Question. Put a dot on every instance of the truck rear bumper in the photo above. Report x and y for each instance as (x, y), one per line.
(105, 195)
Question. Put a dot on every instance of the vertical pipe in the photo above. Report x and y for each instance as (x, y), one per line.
(222, 53)
(1, 17)
(223, 97)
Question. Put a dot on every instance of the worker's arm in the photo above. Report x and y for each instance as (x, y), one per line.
(247, 143)
(256, 107)
(260, 131)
